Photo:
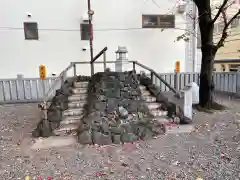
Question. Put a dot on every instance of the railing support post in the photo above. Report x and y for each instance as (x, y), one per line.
(92, 68)
(134, 66)
(74, 70)
(104, 61)
(63, 76)
(152, 77)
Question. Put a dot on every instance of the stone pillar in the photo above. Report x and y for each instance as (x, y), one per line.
(121, 56)
(187, 109)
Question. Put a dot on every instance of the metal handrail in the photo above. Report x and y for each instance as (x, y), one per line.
(158, 76)
(141, 65)
(61, 76)
(99, 54)
(73, 64)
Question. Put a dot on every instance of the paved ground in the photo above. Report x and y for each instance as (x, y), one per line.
(212, 152)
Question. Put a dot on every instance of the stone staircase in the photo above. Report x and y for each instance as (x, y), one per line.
(161, 116)
(72, 117)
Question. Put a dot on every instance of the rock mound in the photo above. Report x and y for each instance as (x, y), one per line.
(115, 112)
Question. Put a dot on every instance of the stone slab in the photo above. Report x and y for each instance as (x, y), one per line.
(142, 88)
(71, 119)
(145, 92)
(158, 112)
(67, 127)
(79, 90)
(179, 129)
(76, 104)
(149, 99)
(73, 112)
(153, 105)
(78, 97)
(80, 84)
(53, 141)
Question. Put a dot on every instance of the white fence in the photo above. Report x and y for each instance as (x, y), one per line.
(20, 90)
(224, 82)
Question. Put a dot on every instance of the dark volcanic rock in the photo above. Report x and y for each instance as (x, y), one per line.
(59, 103)
(113, 107)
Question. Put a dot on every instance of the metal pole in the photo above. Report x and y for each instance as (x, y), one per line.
(91, 35)
(74, 70)
(104, 61)
(134, 66)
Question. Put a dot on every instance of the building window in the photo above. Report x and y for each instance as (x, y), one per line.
(233, 67)
(85, 31)
(158, 21)
(31, 30)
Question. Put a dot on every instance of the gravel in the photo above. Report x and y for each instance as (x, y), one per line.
(211, 152)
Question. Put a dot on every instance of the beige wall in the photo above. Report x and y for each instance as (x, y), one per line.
(219, 66)
(231, 49)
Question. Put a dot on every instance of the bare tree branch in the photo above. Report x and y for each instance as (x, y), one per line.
(227, 24)
(219, 11)
(224, 16)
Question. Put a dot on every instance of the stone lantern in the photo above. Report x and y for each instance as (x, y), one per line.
(121, 57)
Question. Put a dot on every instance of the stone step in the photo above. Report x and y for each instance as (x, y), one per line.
(78, 97)
(141, 87)
(76, 104)
(81, 84)
(73, 112)
(158, 113)
(153, 105)
(79, 90)
(71, 119)
(176, 129)
(161, 119)
(149, 98)
(53, 142)
(145, 92)
(66, 128)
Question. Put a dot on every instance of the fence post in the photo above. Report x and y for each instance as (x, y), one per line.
(177, 81)
(238, 82)
(20, 87)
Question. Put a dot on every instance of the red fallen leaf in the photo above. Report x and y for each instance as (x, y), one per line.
(39, 178)
(171, 124)
(99, 174)
(49, 178)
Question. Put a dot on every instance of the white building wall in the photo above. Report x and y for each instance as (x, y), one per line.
(59, 35)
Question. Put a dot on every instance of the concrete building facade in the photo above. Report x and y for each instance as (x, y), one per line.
(52, 33)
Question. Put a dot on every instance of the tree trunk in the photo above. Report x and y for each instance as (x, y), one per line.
(206, 78)
(208, 55)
